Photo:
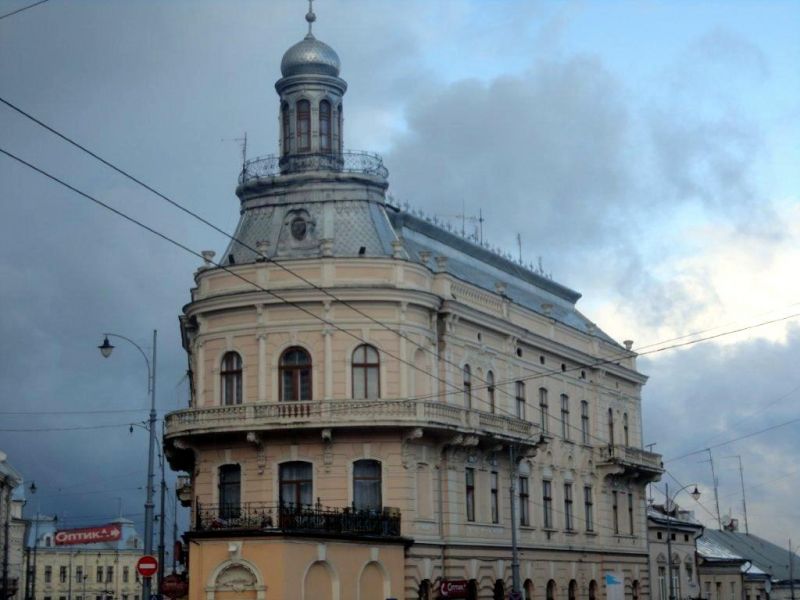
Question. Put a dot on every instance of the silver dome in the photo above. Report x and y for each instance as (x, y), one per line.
(310, 57)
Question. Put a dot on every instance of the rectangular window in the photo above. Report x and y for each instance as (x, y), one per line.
(99, 578)
(520, 400)
(588, 508)
(630, 513)
(676, 580)
(229, 488)
(78, 574)
(48, 574)
(733, 590)
(708, 590)
(109, 574)
(543, 410)
(568, 524)
(585, 422)
(470, 493)
(296, 484)
(494, 498)
(524, 502)
(565, 416)
(719, 590)
(662, 583)
(124, 596)
(547, 504)
(125, 574)
(62, 575)
(615, 511)
(62, 597)
(367, 485)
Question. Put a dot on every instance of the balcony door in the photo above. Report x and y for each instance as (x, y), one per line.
(296, 484)
(230, 490)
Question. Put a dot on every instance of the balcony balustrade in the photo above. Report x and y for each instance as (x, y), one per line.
(347, 413)
(632, 461)
(350, 161)
(297, 519)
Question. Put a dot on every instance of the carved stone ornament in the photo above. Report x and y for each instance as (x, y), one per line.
(236, 578)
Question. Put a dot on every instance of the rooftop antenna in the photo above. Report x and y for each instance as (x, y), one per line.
(463, 218)
(310, 17)
(243, 145)
(519, 246)
(716, 486)
(744, 502)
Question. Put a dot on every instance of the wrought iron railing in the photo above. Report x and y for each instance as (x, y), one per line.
(297, 518)
(349, 161)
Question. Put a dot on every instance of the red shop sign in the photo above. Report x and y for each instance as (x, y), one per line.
(88, 535)
(454, 588)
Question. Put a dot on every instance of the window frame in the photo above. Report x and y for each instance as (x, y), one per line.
(585, 434)
(494, 495)
(229, 490)
(524, 501)
(625, 430)
(364, 368)
(588, 508)
(286, 128)
(296, 376)
(565, 417)
(490, 391)
(358, 478)
(615, 511)
(547, 504)
(569, 520)
(297, 484)
(631, 519)
(469, 493)
(467, 374)
(544, 411)
(610, 426)
(230, 379)
(520, 395)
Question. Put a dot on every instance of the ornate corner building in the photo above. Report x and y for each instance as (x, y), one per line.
(372, 395)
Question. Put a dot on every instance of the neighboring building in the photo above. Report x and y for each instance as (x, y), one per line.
(67, 568)
(349, 434)
(768, 571)
(679, 530)
(12, 530)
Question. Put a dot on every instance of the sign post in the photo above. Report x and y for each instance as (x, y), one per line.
(147, 566)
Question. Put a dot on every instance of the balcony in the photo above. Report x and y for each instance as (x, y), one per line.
(350, 161)
(631, 462)
(297, 520)
(281, 416)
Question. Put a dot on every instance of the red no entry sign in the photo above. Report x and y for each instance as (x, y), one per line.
(147, 566)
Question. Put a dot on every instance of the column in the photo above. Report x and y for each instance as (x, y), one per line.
(327, 335)
(262, 367)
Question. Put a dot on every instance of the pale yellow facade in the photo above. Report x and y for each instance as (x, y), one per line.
(432, 375)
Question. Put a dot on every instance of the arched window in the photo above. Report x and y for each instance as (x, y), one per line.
(231, 378)
(325, 144)
(572, 591)
(425, 590)
(592, 590)
(287, 133)
(367, 485)
(472, 589)
(584, 422)
(499, 592)
(295, 375)
(625, 433)
(229, 488)
(635, 590)
(528, 588)
(611, 426)
(543, 410)
(340, 118)
(520, 398)
(366, 373)
(296, 485)
(303, 126)
(551, 590)
(490, 391)
(467, 387)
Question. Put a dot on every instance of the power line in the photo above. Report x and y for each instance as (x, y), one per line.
(736, 439)
(78, 428)
(71, 412)
(457, 390)
(19, 10)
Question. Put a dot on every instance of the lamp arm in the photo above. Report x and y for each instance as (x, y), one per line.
(139, 348)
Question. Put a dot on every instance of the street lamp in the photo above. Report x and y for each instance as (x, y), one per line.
(695, 494)
(105, 349)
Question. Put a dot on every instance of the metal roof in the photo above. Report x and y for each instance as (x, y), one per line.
(765, 556)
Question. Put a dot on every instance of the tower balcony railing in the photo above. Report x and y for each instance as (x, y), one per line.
(297, 518)
(427, 413)
(632, 460)
(349, 161)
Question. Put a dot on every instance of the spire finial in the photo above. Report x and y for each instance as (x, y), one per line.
(310, 16)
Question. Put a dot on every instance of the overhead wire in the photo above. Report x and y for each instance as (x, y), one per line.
(19, 10)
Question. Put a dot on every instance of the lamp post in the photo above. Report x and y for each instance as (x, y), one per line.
(105, 349)
(695, 494)
(32, 569)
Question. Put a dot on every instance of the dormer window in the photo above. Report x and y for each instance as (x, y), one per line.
(325, 144)
(303, 126)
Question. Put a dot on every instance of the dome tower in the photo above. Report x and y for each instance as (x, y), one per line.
(311, 91)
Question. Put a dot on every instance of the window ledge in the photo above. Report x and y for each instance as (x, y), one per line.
(590, 533)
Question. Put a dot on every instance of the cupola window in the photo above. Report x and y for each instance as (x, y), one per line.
(325, 126)
(287, 133)
(295, 375)
(303, 126)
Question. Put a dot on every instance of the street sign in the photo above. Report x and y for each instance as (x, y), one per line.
(147, 565)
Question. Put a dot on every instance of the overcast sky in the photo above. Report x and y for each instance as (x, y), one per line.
(646, 151)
